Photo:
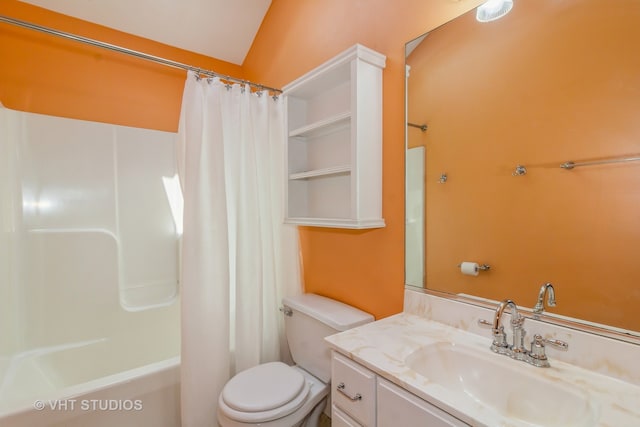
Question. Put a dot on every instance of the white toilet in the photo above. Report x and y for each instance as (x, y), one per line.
(277, 395)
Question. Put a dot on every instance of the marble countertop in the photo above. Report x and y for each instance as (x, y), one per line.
(382, 346)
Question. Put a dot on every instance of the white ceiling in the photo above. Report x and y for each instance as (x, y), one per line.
(223, 29)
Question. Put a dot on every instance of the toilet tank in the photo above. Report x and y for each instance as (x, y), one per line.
(311, 318)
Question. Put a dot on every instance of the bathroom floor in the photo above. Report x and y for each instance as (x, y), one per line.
(324, 421)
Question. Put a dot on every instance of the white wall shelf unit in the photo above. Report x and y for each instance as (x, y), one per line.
(334, 143)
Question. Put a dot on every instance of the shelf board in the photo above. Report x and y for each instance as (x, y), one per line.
(337, 222)
(323, 127)
(317, 173)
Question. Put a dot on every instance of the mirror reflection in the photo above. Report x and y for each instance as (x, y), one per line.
(506, 103)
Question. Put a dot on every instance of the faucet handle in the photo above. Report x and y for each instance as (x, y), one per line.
(560, 345)
(485, 323)
(499, 344)
(537, 355)
(539, 341)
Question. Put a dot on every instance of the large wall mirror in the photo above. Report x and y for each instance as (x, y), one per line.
(505, 104)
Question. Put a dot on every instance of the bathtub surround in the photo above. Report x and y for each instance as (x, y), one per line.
(88, 280)
(79, 184)
(238, 259)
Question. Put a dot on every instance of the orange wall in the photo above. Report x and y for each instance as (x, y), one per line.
(362, 268)
(49, 75)
(44, 74)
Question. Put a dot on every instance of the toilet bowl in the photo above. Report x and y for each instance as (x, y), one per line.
(260, 398)
(278, 395)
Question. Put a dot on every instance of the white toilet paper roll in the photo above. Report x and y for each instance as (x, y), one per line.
(469, 268)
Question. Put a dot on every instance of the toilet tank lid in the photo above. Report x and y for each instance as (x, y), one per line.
(335, 314)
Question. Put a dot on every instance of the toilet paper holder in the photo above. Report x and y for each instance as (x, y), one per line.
(481, 267)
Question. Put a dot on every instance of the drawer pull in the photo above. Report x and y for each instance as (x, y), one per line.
(341, 387)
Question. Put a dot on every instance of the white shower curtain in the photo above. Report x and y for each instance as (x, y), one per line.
(238, 259)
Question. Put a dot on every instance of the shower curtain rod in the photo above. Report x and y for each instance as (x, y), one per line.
(135, 53)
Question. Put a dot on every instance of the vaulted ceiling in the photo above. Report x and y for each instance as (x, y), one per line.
(221, 29)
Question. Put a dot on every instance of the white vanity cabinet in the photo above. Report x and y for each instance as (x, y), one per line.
(360, 398)
(340, 419)
(398, 407)
(334, 143)
(353, 393)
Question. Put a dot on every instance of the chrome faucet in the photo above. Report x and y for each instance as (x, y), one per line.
(516, 350)
(546, 289)
(499, 344)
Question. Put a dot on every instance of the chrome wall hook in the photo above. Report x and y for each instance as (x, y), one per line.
(520, 170)
(422, 127)
(443, 178)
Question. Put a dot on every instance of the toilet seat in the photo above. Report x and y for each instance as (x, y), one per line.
(264, 393)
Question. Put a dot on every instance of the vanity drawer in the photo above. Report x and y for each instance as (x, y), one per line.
(340, 419)
(398, 407)
(353, 390)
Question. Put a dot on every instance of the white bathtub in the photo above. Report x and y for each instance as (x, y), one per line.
(131, 358)
(38, 391)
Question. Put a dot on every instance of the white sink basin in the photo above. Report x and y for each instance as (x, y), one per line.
(511, 388)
